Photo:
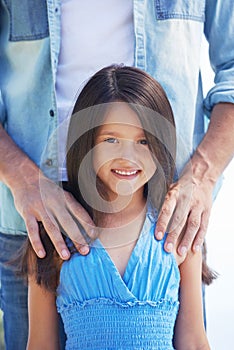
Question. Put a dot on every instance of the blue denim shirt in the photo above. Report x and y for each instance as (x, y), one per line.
(168, 38)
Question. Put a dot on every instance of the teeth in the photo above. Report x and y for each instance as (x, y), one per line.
(125, 173)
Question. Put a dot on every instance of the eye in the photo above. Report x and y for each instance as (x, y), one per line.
(111, 140)
(143, 142)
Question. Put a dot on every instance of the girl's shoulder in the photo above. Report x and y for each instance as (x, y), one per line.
(180, 259)
(152, 215)
(189, 254)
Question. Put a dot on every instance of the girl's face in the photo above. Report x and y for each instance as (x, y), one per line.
(121, 156)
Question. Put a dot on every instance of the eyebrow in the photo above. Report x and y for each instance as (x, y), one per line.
(105, 132)
(115, 133)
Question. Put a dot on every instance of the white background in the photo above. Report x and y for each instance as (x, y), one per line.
(220, 241)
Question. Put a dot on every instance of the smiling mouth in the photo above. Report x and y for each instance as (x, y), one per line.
(125, 172)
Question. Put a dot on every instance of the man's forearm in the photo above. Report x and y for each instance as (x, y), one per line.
(14, 163)
(37, 198)
(217, 148)
(188, 202)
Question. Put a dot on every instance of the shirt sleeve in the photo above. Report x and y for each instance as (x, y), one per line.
(219, 32)
(2, 110)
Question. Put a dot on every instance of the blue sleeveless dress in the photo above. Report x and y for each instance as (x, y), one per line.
(102, 310)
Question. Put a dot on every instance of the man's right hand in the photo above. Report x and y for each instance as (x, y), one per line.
(39, 199)
(56, 209)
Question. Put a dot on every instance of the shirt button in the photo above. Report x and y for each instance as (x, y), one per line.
(49, 162)
(51, 113)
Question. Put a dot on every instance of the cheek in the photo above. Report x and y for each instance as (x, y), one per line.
(149, 166)
(101, 156)
(151, 169)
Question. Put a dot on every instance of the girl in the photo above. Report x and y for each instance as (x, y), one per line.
(125, 293)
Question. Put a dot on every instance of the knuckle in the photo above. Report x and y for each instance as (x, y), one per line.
(76, 208)
(188, 237)
(68, 196)
(25, 211)
(173, 235)
(187, 240)
(199, 240)
(177, 220)
(59, 243)
(175, 228)
(166, 210)
(161, 225)
(169, 196)
(31, 226)
(194, 224)
(174, 190)
(186, 196)
(203, 228)
(32, 229)
(76, 237)
(79, 242)
(35, 241)
(50, 226)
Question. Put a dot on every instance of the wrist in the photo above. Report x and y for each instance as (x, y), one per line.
(202, 170)
(21, 172)
(217, 147)
(16, 168)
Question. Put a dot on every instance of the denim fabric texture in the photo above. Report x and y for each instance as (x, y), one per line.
(24, 24)
(168, 38)
(181, 9)
(13, 296)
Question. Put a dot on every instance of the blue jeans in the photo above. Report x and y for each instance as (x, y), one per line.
(14, 297)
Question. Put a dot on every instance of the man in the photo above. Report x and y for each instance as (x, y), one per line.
(48, 50)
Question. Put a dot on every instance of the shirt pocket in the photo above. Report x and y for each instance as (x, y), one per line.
(28, 19)
(180, 9)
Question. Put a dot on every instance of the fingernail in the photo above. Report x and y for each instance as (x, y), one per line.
(41, 254)
(197, 248)
(169, 247)
(84, 250)
(159, 235)
(65, 254)
(183, 250)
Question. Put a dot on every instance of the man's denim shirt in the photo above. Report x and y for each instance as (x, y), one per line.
(168, 38)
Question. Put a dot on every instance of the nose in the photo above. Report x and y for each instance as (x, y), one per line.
(128, 150)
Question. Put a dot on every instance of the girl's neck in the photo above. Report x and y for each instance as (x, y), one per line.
(123, 227)
(123, 211)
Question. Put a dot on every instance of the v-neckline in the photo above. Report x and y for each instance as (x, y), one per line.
(123, 283)
(118, 280)
(111, 262)
(112, 268)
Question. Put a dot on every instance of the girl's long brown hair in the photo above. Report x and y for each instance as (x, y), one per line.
(148, 99)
